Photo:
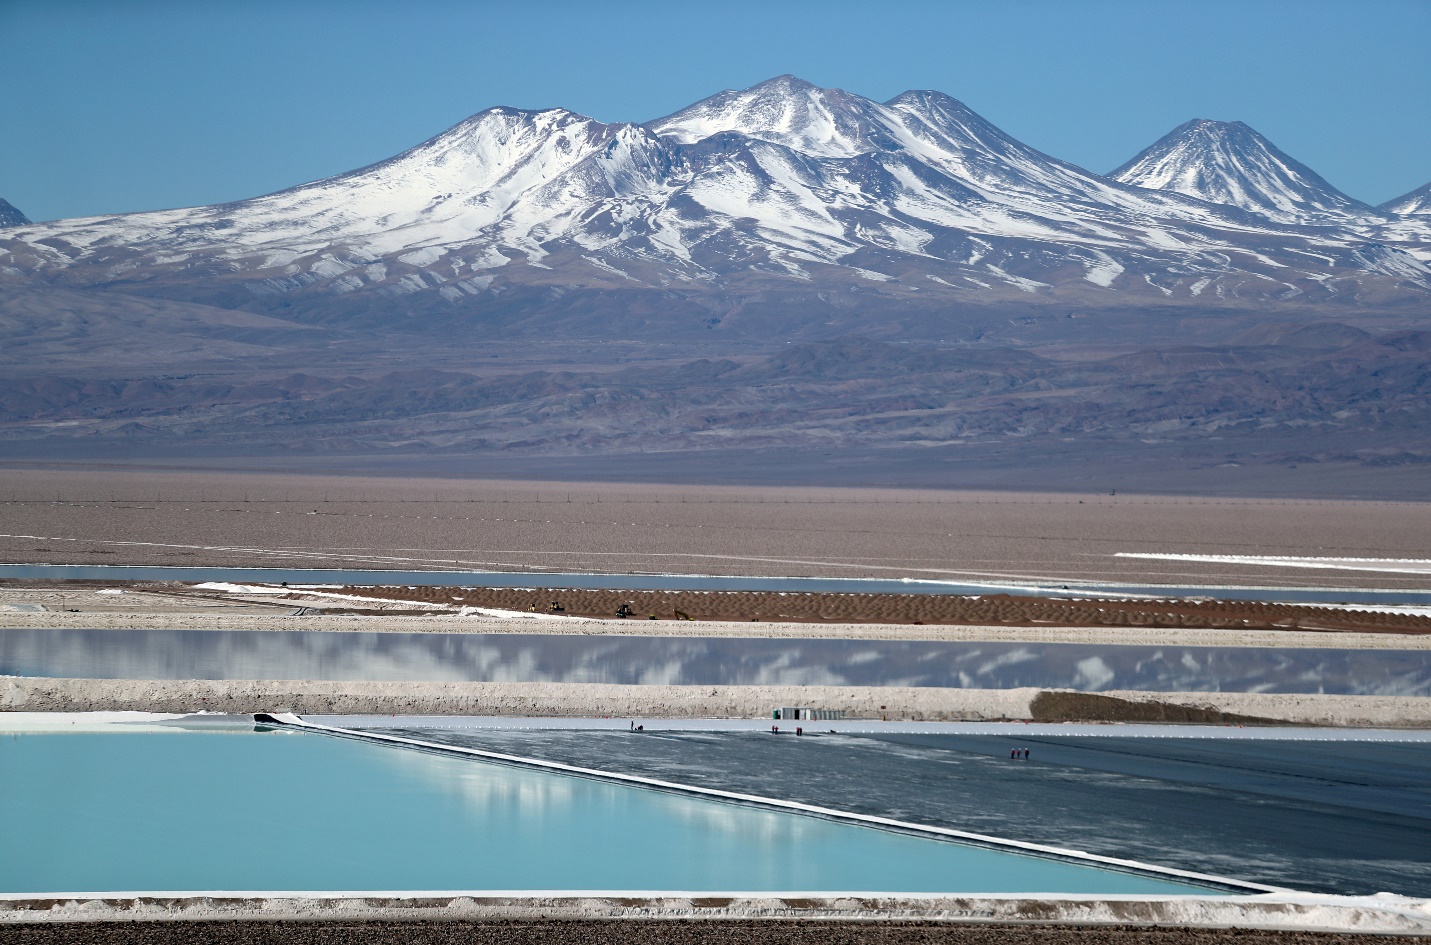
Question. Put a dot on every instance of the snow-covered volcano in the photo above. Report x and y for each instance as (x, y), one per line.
(780, 190)
(10, 215)
(1226, 162)
(785, 110)
(930, 128)
(1415, 203)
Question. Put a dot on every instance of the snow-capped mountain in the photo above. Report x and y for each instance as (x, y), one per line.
(785, 110)
(1415, 203)
(781, 191)
(10, 216)
(929, 127)
(1227, 162)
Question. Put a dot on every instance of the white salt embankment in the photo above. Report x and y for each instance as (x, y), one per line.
(1288, 911)
(544, 699)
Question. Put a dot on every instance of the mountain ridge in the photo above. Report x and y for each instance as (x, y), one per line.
(777, 278)
(817, 198)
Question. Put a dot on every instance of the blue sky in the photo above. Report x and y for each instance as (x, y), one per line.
(128, 105)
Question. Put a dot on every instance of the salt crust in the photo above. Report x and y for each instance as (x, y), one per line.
(539, 699)
(1289, 911)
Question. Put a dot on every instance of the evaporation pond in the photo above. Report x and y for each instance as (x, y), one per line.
(238, 810)
(89, 653)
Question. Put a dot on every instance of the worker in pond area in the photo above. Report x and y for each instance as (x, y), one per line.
(557, 608)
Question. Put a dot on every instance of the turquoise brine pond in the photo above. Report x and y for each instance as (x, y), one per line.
(276, 811)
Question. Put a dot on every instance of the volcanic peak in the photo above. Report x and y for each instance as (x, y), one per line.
(1228, 162)
(10, 216)
(785, 110)
(1418, 202)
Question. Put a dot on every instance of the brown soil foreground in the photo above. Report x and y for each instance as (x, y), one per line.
(638, 932)
(993, 609)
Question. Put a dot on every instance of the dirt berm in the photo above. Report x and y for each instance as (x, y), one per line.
(1065, 706)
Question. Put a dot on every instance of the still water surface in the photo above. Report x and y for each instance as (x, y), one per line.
(240, 810)
(312, 654)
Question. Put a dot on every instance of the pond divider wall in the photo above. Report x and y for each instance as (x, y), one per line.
(290, 721)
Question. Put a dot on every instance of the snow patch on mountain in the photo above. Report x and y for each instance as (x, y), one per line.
(1391, 261)
(1102, 269)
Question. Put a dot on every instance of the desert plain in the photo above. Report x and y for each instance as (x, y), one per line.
(175, 517)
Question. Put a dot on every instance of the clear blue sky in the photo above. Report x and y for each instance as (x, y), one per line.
(128, 105)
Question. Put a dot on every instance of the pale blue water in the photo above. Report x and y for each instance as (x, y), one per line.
(664, 582)
(239, 810)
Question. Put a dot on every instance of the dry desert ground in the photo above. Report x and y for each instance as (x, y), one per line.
(178, 518)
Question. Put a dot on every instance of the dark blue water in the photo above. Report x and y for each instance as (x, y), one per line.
(1349, 817)
(640, 660)
(667, 582)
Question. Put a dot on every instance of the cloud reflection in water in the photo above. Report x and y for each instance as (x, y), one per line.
(241, 654)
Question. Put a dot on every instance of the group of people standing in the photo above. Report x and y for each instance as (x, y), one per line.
(1021, 753)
